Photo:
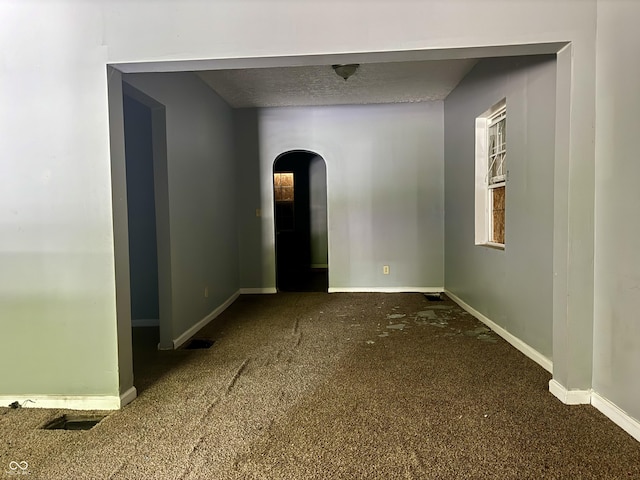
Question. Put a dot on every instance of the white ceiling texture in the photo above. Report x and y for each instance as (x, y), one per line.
(388, 82)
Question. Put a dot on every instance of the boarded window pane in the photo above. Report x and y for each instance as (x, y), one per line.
(498, 202)
(283, 187)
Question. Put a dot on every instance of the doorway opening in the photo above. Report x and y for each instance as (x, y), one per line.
(147, 231)
(141, 214)
(300, 202)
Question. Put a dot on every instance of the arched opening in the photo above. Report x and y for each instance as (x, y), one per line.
(300, 202)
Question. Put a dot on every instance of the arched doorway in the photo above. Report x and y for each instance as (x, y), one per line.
(300, 202)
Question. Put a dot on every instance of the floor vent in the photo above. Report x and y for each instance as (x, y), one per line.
(74, 422)
(433, 297)
(198, 344)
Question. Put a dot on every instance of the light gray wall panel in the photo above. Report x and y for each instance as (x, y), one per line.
(616, 359)
(318, 206)
(202, 196)
(512, 287)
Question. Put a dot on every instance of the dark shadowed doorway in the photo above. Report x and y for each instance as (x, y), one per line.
(300, 199)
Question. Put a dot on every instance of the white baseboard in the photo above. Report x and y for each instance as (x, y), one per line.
(252, 291)
(616, 415)
(385, 289)
(569, 397)
(71, 402)
(128, 396)
(606, 407)
(145, 322)
(319, 265)
(529, 351)
(177, 342)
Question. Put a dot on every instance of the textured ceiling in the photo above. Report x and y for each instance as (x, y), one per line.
(390, 82)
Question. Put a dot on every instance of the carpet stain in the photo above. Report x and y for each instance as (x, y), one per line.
(482, 333)
(397, 326)
(441, 323)
(487, 338)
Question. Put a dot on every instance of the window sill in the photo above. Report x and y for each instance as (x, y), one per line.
(495, 246)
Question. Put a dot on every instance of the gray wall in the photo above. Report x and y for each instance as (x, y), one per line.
(616, 356)
(512, 287)
(201, 193)
(255, 273)
(318, 206)
(385, 191)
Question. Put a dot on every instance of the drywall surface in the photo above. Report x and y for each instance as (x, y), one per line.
(201, 181)
(512, 287)
(254, 268)
(122, 280)
(200, 30)
(318, 207)
(57, 281)
(616, 356)
(143, 254)
(384, 167)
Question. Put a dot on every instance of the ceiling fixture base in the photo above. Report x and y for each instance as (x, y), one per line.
(346, 70)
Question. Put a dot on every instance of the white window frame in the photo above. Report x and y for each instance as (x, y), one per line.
(483, 196)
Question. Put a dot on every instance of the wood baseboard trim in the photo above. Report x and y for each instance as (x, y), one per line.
(526, 349)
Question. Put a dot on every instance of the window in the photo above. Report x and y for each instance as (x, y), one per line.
(491, 176)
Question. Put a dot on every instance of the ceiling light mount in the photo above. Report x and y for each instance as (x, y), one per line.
(346, 70)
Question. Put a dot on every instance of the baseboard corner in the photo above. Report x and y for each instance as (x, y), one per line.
(569, 397)
(128, 396)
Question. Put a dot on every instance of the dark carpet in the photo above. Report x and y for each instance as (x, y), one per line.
(340, 386)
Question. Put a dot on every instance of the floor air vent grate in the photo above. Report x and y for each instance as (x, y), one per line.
(433, 297)
(74, 422)
(198, 344)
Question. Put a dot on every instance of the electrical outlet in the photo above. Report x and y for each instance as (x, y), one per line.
(385, 269)
(206, 292)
